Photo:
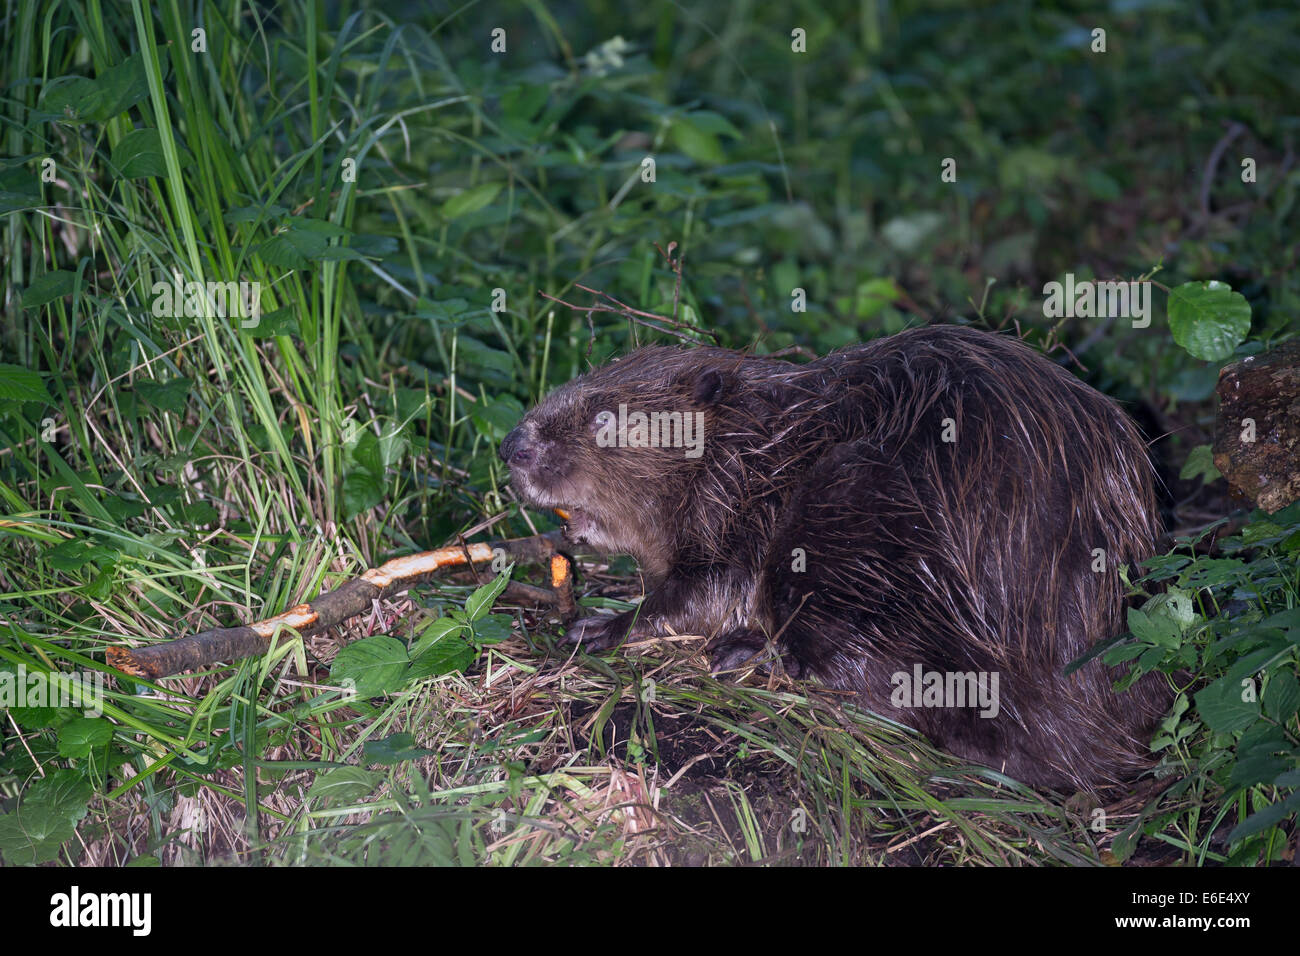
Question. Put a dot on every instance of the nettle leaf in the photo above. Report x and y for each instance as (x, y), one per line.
(480, 602)
(1208, 319)
(454, 312)
(255, 213)
(124, 85)
(77, 738)
(1157, 629)
(470, 200)
(170, 396)
(483, 361)
(374, 665)
(74, 99)
(1281, 697)
(140, 153)
(1256, 768)
(18, 384)
(276, 322)
(1217, 573)
(75, 553)
(340, 254)
(392, 446)
(495, 419)
(290, 250)
(361, 492)
(365, 452)
(19, 187)
(304, 241)
(1222, 708)
(345, 784)
(47, 287)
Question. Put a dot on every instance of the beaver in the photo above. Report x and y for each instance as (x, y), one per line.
(933, 521)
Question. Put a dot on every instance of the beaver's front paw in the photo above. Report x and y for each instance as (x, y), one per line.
(745, 647)
(599, 632)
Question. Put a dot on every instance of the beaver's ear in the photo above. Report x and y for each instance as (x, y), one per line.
(710, 387)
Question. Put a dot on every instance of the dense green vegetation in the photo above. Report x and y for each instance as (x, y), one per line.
(410, 200)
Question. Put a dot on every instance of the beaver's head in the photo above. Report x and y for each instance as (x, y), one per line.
(615, 450)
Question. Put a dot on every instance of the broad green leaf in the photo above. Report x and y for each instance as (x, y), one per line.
(374, 665)
(1158, 628)
(269, 212)
(434, 632)
(33, 835)
(123, 86)
(64, 791)
(276, 322)
(452, 653)
(139, 153)
(480, 602)
(361, 492)
(47, 287)
(1208, 319)
(471, 200)
(1281, 697)
(338, 253)
(38, 718)
(74, 99)
(697, 142)
(873, 296)
(443, 310)
(19, 189)
(170, 396)
(294, 248)
(1222, 708)
(520, 104)
(493, 628)
(18, 384)
(46, 817)
(495, 419)
(1200, 464)
(345, 784)
(373, 247)
(483, 361)
(77, 738)
(366, 453)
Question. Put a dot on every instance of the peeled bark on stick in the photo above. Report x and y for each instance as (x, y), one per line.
(231, 643)
(1257, 435)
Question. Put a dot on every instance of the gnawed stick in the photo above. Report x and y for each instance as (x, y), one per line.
(349, 599)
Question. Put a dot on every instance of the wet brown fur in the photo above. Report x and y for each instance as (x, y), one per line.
(973, 555)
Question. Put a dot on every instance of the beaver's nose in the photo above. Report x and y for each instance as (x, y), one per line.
(515, 449)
